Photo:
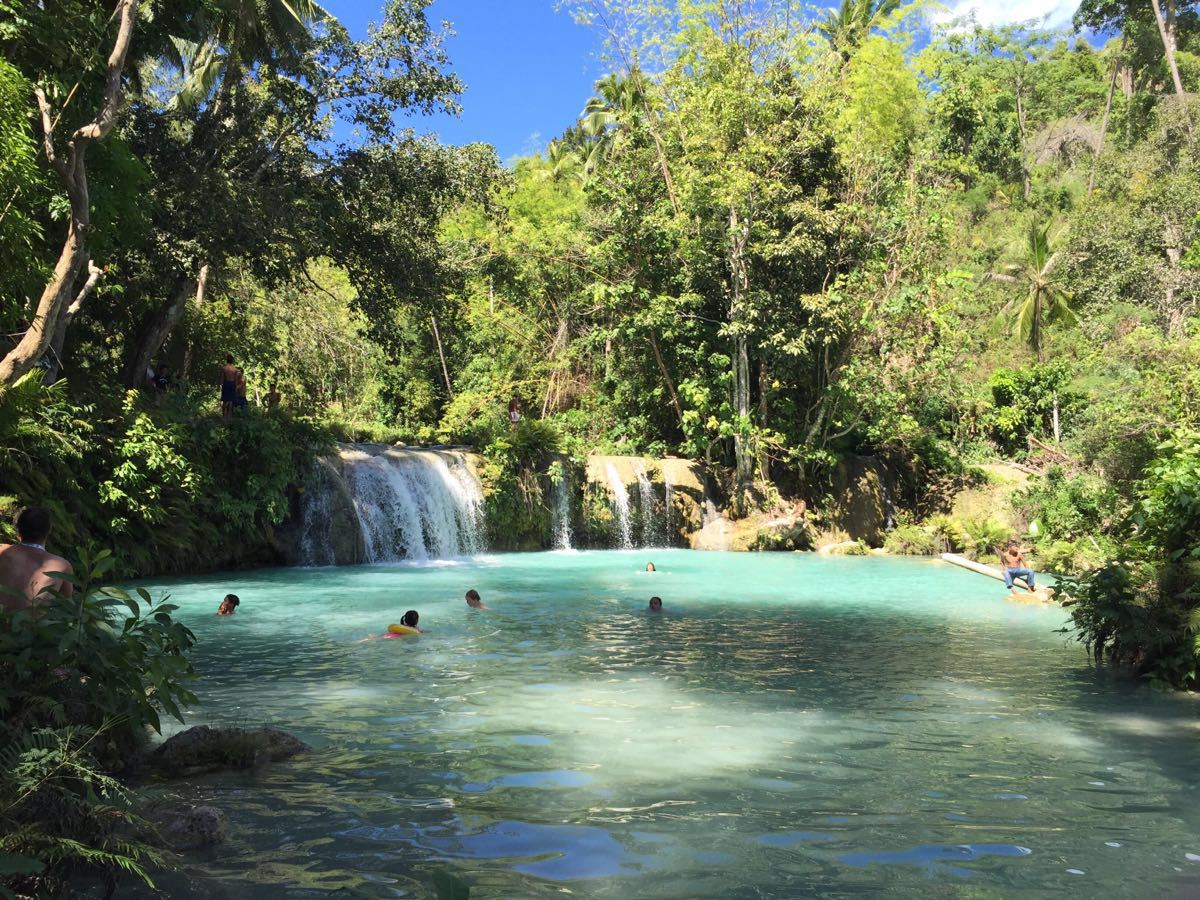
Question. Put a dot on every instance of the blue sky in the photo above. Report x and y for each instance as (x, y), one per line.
(529, 69)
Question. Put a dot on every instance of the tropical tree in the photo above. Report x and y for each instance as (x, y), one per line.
(848, 25)
(1045, 301)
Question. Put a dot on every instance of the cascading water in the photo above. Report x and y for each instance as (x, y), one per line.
(620, 496)
(646, 506)
(562, 515)
(316, 536)
(408, 504)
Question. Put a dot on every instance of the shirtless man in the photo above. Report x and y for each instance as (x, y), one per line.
(229, 385)
(1014, 564)
(26, 567)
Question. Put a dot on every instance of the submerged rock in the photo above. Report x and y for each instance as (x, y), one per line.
(203, 748)
(200, 826)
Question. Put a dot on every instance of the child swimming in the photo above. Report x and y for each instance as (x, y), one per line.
(408, 622)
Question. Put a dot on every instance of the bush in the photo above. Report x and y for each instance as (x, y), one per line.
(82, 678)
(1023, 402)
(912, 540)
(1130, 614)
(1067, 507)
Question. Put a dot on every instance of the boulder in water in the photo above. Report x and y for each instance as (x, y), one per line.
(203, 748)
(201, 826)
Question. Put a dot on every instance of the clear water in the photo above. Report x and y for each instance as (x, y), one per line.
(790, 726)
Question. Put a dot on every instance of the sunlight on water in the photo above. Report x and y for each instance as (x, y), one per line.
(790, 726)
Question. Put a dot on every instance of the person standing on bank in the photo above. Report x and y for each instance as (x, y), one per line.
(229, 385)
(27, 570)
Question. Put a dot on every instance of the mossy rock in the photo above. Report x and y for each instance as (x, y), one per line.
(204, 748)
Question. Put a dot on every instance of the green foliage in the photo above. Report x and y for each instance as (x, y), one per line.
(82, 678)
(1023, 401)
(98, 656)
(912, 540)
(1169, 508)
(1125, 613)
(1067, 507)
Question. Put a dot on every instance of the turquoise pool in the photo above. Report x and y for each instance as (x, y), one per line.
(790, 726)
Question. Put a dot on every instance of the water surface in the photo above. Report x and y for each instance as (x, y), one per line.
(790, 726)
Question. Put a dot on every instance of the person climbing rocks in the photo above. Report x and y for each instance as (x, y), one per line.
(29, 574)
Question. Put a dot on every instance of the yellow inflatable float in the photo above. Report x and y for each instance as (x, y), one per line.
(402, 629)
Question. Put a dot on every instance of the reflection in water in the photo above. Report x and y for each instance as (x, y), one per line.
(789, 726)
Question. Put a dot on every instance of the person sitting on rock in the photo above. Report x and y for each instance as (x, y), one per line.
(229, 605)
(474, 600)
(1014, 564)
(655, 605)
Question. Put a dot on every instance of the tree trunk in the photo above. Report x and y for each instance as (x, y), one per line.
(201, 290)
(72, 170)
(442, 356)
(64, 322)
(1026, 180)
(1166, 30)
(739, 284)
(154, 334)
(1057, 431)
(662, 368)
(1112, 88)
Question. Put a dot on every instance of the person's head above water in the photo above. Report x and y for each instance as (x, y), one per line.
(656, 604)
(474, 600)
(228, 605)
(410, 618)
(650, 567)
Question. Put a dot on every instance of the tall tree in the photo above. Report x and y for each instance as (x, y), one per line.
(69, 161)
(1045, 300)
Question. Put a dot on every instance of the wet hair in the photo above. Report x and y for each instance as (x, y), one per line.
(33, 524)
(410, 618)
(228, 357)
(650, 567)
(654, 600)
(1014, 543)
(228, 605)
(473, 594)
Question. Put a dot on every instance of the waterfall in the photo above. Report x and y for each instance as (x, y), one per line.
(646, 505)
(407, 504)
(562, 514)
(620, 496)
(316, 510)
(889, 509)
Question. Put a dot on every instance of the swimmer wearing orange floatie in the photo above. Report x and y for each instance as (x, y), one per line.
(408, 625)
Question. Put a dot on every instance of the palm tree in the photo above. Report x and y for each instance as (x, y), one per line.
(608, 117)
(237, 33)
(848, 25)
(1045, 301)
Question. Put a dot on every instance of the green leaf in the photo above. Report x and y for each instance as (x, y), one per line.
(15, 864)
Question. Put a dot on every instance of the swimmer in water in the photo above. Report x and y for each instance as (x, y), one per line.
(229, 605)
(474, 600)
(655, 605)
(408, 620)
(650, 567)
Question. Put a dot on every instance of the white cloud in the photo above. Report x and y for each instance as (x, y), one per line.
(1003, 12)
